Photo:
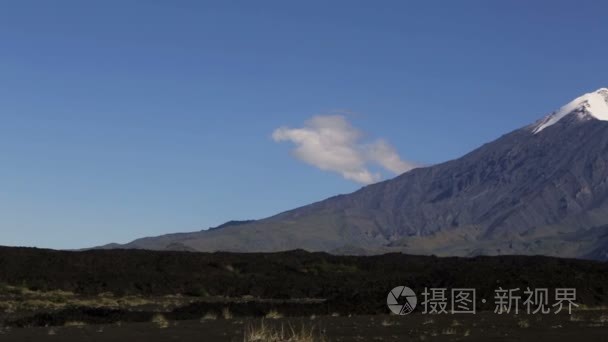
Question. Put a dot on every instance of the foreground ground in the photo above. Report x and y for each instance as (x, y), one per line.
(486, 326)
(130, 295)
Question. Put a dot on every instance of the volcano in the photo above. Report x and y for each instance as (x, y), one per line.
(541, 189)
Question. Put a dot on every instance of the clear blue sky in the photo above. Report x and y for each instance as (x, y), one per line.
(121, 119)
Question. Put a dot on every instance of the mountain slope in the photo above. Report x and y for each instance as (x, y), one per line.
(541, 189)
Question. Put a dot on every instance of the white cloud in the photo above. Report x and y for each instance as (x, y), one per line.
(331, 143)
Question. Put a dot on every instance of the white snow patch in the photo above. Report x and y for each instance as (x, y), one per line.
(594, 104)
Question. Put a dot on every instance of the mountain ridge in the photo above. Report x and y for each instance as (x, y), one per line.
(531, 191)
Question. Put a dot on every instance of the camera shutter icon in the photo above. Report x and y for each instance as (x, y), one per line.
(401, 300)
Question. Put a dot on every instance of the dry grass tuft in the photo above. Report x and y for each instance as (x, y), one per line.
(74, 324)
(273, 314)
(388, 323)
(209, 316)
(523, 323)
(576, 318)
(161, 321)
(449, 331)
(226, 313)
(265, 333)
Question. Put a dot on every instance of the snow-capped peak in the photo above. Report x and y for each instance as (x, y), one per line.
(593, 104)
